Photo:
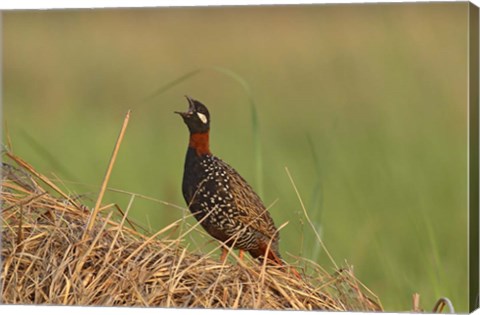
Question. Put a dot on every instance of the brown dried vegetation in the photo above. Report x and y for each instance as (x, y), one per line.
(50, 257)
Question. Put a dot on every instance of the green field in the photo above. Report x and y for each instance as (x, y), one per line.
(366, 105)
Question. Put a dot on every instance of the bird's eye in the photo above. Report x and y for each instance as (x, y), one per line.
(202, 117)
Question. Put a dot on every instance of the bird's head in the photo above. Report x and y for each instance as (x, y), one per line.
(197, 117)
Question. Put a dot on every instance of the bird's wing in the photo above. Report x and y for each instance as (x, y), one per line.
(250, 206)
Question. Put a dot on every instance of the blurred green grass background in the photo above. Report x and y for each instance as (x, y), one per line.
(365, 105)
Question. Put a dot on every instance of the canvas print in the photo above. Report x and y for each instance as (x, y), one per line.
(282, 157)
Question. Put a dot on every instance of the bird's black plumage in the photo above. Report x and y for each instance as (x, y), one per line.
(224, 203)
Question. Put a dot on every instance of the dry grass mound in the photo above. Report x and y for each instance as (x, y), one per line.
(50, 257)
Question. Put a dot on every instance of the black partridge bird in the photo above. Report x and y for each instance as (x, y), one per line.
(220, 199)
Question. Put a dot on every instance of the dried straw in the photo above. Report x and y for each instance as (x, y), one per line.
(46, 261)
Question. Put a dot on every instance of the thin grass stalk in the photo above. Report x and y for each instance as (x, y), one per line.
(91, 220)
(308, 219)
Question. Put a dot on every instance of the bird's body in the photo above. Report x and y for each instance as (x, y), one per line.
(221, 200)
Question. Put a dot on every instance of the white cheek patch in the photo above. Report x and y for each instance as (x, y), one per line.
(202, 117)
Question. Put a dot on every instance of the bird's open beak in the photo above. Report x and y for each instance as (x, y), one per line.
(181, 114)
(191, 108)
